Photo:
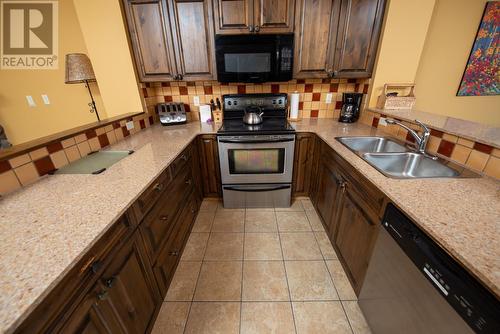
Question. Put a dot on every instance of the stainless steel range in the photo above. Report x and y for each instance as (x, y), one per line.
(256, 160)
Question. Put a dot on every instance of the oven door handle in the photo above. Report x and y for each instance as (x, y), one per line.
(264, 188)
(256, 141)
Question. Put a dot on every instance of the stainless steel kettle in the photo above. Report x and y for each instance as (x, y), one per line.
(253, 115)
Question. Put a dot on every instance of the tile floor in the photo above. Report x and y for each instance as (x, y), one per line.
(259, 271)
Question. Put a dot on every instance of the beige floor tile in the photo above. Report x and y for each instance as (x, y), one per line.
(219, 281)
(184, 281)
(259, 210)
(204, 221)
(172, 318)
(340, 280)
(262, 246)
(326, 246)
(195, 247)
(314, 220)
(224, 246)
(356, 317)
(320, 317)
(212, 318)
(259, 318)
(296, 206)
(209, 205)
(309, 280)
(220, 207)
(307, 204)
(260, 221)
(300, 246)
(229, 221)
(292, 221)
(264, 281)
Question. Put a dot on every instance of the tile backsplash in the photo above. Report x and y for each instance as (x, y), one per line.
(312, 93)
(477, 156)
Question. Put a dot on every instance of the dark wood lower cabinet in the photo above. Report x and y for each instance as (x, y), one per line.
(209, 163)
(303, 163)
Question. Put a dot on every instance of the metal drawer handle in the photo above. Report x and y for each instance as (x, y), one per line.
(102, 295)
(174, 253)
(188, 182)
(164, 217)
(158, 186)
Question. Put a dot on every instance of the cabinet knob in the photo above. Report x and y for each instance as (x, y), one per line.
(164, 217)
(251, 28)
(257, 28)
(96, 266)
(158, 187)
(110, 281)
(180, 77)
(102, 295)
(184, 157)
(174, 253)
(188, 182)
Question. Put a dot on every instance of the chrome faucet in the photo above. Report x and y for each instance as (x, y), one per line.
(420, 140)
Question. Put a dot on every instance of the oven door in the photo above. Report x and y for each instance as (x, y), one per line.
(256, 159)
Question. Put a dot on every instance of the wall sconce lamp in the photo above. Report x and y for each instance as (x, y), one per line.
(79, 70)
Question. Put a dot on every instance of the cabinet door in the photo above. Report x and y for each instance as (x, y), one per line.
(151, 38)
(193, 38)
(357, 39)
(355, 237)
(315, 24)
(209, 161)
(328, 194)
(303, 161)
(233, 16)
(274, 16)
(88, 317)
(130, 293)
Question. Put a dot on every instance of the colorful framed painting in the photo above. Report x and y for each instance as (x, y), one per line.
(482, 73)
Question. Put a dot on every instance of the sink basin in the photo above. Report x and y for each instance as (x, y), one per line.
(372, 144)
(408, 165)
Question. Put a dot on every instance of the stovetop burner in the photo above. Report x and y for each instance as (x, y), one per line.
(274, 106)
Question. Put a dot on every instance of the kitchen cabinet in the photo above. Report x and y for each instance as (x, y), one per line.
(171, 39)
(303, 163)
(253, 16)
(347, 31)
(209, 165)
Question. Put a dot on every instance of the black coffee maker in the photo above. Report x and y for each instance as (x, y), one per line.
(351, 103)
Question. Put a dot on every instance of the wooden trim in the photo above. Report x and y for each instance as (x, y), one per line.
(37, 143)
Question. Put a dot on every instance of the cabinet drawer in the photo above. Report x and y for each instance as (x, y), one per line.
(160, 220)
(149, 197)
(171, 252)
(181, 161)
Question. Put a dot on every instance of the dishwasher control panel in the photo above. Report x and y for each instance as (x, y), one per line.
(470, 299)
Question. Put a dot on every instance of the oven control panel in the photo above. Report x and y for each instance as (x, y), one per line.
(238, 102)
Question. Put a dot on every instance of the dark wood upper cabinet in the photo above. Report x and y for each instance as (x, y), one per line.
(357, 40)
(315, 24)
(253, 16)
(194, 38)
(172, 39)
(337, 38)
(151, 39)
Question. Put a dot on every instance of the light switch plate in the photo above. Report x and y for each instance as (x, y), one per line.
(45, 99)
(130, 125)
(196, 101)
(328, 99)
(30, 100)
(382, 121)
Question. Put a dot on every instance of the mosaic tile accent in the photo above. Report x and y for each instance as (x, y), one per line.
(482, 158)
(312, 93)
(27, 168)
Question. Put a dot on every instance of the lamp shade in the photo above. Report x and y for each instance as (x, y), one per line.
(78, 68)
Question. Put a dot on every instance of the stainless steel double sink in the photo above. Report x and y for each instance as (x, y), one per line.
(396, 160)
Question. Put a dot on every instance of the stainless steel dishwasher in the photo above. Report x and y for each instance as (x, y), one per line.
(413, 286)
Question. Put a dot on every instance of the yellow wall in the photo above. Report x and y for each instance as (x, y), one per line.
(68, 106)
(104, 32)
(451, 35)
(403, 36)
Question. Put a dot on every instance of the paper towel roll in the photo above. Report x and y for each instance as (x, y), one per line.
(294, 105)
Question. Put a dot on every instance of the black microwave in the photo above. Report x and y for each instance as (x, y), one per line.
(254, 58)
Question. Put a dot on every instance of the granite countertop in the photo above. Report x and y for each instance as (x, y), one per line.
(47, 227)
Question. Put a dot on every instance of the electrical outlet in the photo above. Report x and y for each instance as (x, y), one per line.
(328, 99)
(196, 101)
(130, 125)
(45, 99)
(30, 100)
(382, 121)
